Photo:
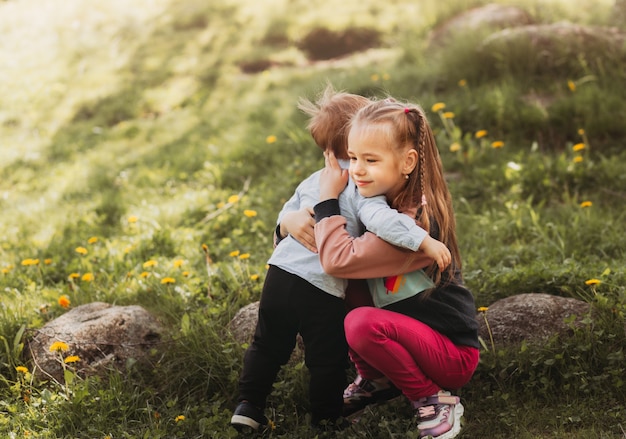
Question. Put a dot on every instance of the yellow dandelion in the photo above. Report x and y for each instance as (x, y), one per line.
(249, 213)
(462, 83)
(254, 277)
(179, 418)
(497, 144)
(178, 263)
(455, 147)
(233, 199)
(59, 346)
(234, 253)
(386, 77)
(185, 273)
(168, 280)
(571, 85)
(578, 159)
(81, 250)
(6, 270)
(150, 263)
(586, 204)
(483, 309)
(92, 240)
(270, 139)
(47, 261)
(205, 248)
(448, 115)
(578, 147)
(64, 301)
(374, 77)
(244, 256)
(87, 277)
(480, 133)
(220, 204)
(29, 261)
(22, 369)
(438, 107)
(73, 276)
(581, 132)
(132, 219)
(71, 359)
(144, 274)
(593, 282)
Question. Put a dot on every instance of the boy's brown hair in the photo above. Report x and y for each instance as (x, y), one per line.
(329, 118)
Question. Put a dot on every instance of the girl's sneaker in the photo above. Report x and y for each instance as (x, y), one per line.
(362, 393)
(439, 415)
(248, 416)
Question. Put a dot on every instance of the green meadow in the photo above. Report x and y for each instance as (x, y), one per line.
(138, 139)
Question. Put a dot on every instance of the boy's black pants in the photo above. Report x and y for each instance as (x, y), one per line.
(290, 305)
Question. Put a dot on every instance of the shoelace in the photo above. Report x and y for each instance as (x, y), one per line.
(430, 411)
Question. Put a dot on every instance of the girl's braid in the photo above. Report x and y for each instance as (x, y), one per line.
(420, 151)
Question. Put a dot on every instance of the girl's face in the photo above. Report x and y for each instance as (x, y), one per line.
(376, 167)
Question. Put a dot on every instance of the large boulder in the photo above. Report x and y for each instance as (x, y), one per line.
(532, 317)
(101, 335)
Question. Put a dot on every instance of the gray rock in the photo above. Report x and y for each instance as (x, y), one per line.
(103, 336)
(531, 317)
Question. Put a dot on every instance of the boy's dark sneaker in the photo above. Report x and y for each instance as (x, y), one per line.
(362, 393)
(247, 415)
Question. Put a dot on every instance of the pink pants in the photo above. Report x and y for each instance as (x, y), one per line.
(417, 359)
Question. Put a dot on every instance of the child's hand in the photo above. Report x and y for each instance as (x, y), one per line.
(300, 225)
(333, 179)
(437, 251)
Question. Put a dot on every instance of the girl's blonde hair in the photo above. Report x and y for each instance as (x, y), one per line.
(406, 126)
(329, 119)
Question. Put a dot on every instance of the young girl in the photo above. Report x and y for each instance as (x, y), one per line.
(425, 344)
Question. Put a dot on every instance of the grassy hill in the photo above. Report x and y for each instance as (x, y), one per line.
(143, 130)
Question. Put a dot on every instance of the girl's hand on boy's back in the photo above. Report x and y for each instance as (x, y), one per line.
(300, 225)
(437, 251)
(333, 179)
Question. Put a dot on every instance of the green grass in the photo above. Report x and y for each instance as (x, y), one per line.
(135, 125)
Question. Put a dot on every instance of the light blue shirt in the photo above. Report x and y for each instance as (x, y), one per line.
(372, 214)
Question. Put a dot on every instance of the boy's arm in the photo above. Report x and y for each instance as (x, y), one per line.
(389, 224)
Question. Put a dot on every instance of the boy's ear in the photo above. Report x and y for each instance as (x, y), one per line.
(410, 161)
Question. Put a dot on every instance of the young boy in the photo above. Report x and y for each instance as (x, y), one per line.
(299, 297)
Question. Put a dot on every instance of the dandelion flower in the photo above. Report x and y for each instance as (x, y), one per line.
(244, 256)
(205, 248)
(81, 250)
(270, 139)
(254, 276)
(497, 144)
(179, 418)
(71, 359)
(168, 280)
(92, 240)
(64, 301)
(185, 273)
(178, 263)
(438, 107)
(87, 277)
(59, 346)
(462, 83)
(480, 133)
(249, 213)
(22, 369)
(593, 282)
(448, 115)
(234, 253)
(73, 276)
(233, 199)
(455, 147)
(29, 261)
(571, 85)
(578, 147)
(483, 309)
(144, 274)
(150, 263)
(578, 159)
(6, 270)
(581, 132)
(220, 204)
(386, 76)
(132, 219)
(47, 261)
(586, 204)
(374, 77)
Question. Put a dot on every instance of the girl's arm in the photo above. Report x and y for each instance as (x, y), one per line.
(364, 257)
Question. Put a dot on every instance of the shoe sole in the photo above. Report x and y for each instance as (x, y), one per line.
(456, 426)
(241, 422)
